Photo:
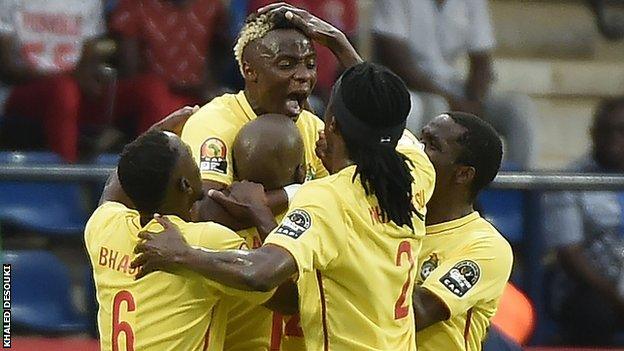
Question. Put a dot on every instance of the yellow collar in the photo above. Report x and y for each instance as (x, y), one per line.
(442, 228)
(245, 106)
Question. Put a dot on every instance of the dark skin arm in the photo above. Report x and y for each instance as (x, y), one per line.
(12, 69)
(262, 269)
(480, 77)
(428, 308)
(574, 261)
(233, 216)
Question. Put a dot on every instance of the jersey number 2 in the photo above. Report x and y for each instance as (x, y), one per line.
(118, 327)
(401, 307)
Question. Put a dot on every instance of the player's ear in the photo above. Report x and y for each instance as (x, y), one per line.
(249, 73)
(300, 174)
(464, 174)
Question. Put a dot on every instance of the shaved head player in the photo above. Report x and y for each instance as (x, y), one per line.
(277, 60)
(268, 151)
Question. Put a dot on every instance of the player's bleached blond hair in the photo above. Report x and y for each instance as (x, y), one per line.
(255, 27)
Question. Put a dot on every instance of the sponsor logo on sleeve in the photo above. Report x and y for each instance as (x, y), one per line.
(429, 266)
(462, 277)
(213, 156)
(295, 224)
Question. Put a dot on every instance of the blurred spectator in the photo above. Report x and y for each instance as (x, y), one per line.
(49, 65)
(586, 231)
(421, 40)
(170, 52)
(340, 13)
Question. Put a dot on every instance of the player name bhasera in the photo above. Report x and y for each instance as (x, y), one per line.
(116, 260)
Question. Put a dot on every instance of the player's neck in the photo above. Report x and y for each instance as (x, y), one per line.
(253, 99)
(446, 211)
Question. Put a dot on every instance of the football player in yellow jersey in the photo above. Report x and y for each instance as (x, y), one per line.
(277, 59)
(344, 236)
(465, 262)
(278, 62)
(268, 151)
(164, 312)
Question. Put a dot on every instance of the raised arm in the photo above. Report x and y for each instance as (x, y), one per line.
(319, 31)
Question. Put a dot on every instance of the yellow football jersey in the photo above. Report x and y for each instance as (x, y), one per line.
(211, 131)
(356, 269)
(255, 328)
(161, 311)
(466, 263)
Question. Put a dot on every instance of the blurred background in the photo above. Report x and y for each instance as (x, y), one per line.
(80, 78)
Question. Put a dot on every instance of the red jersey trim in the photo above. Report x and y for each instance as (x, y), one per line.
(319, 279)
(467, 328)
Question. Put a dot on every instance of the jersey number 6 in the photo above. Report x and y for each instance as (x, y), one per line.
(118, 327)
(401, 308)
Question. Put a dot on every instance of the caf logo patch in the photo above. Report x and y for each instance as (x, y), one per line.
(429, 266)
(295, 224)
(462, 277)
(213, 156)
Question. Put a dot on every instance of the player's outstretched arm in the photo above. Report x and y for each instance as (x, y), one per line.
(260, 270)
(428, 308)
(319, 31)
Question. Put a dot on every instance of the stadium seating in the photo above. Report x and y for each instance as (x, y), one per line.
(53, 208)
(41, 293)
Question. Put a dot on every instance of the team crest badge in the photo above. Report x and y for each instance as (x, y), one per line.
(429, 266)
(213, 156)
(462, 277)
(295, 224)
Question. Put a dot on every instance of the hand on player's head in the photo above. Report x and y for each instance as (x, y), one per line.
(159, 251)
(175, 121)
(314, 27)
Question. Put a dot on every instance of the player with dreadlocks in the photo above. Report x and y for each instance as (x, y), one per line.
(344, 235)
(277, 59)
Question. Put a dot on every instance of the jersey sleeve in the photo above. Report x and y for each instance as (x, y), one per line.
(313, 231)
(210, 140)
(106, 213)
(478, 274)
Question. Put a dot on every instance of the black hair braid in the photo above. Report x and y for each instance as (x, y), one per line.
(380, 99)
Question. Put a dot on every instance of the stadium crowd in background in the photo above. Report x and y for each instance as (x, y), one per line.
(422, 41)
(585, 230)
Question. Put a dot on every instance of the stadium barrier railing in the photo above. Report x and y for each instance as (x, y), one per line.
(534, 184)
